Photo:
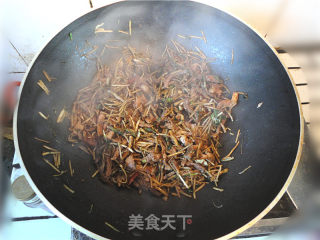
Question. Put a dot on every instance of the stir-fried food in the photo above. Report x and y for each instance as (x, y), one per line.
(155, 123)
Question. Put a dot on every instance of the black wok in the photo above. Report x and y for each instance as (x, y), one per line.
(270, 139)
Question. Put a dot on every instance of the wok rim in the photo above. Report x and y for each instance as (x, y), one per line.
(99, 237)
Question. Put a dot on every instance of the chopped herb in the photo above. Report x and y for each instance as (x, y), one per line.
(124, 32)
(112, 227)
(61, 173)
(204, 37)
(94, 174)
(102, 30)
(260, 105)
(51, 165)
(70, 168)
(43, 87)
(68, 188)
(117, 131)
(217, 117)
(47, 76)
(62, 115)
(237, 137)
(226, 159)
(169, 100)
(43, 116)
(131, 132)
(41, 140)
(181, 36)
(91, 208)
(232, 56)
(244, 170)
(218, 189)
(232, 150)
(149, 130)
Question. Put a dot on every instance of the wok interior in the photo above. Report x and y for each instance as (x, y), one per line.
(270, 135)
